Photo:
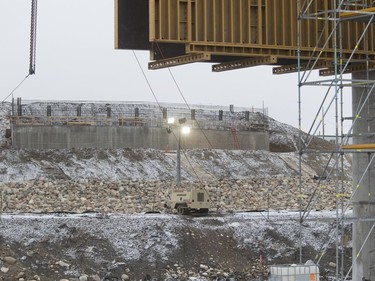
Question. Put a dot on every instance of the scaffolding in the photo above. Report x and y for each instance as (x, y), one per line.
(344, 28)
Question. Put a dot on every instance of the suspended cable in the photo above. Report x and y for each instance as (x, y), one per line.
(11, 93)
(184, 99)
(33, 25)
(160, 107)
(147, 81)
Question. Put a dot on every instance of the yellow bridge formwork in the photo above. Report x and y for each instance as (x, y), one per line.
(230, 30)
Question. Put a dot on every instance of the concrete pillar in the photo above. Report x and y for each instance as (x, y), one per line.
(364, 199)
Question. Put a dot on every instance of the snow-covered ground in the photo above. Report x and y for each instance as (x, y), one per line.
(150, 164)
(124, 231)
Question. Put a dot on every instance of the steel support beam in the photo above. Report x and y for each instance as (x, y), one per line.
(164, 63)
(244, 63)
(350, 69)
(294, 68)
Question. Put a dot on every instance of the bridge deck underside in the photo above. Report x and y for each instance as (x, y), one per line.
(250, 28)
(234, 30)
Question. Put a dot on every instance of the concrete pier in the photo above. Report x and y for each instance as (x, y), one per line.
(364, 198)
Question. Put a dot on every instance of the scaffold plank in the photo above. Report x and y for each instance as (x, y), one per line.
(179, 61)
(361, 146)
(244, 63)
(362, 14)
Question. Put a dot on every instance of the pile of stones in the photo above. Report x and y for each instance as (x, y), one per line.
(10, 265)
(171, 273)
(178, 272)
(137, 196)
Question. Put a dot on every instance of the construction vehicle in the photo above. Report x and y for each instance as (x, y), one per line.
(194, 200)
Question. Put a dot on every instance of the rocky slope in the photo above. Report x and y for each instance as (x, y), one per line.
(197, 165)
(119, 235)
(138, 196)
(98, 247)
(84, 214)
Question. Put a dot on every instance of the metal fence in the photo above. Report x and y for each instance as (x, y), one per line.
(137, 114)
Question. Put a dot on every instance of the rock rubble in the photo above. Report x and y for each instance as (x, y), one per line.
(137, 196)
(178, 272)
(171, 272)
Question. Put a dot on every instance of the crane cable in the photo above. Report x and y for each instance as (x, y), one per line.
(33, 26)
(11, 93)
(161, 109)
(32, 61)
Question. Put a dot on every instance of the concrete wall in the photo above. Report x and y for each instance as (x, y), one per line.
(81, 136)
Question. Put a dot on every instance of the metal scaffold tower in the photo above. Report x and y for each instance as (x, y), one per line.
(345, 29)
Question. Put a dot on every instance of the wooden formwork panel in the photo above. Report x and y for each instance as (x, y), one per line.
(249, 28)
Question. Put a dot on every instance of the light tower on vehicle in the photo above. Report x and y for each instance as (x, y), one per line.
(181, 129)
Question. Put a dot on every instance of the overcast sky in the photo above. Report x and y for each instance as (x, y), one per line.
(76, 60)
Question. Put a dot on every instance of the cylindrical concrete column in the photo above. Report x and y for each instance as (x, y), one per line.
(364, 197)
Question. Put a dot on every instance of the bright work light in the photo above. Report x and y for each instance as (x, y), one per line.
(185, 130)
